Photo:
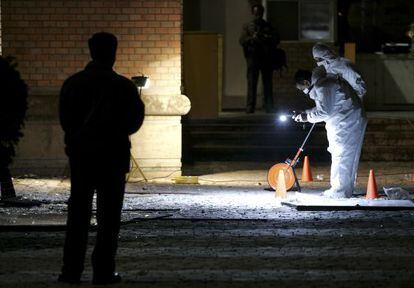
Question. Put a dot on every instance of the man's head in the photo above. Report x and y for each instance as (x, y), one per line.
(258, 11)
(303, 79)
(102, 47)
(323, 54)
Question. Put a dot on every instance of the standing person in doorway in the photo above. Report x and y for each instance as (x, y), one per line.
(99, 109)
(259, 39)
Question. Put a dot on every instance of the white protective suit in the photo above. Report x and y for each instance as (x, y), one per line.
(340, 108)
(340, 66)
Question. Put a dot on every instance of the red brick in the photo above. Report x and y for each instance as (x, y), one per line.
(50, 37)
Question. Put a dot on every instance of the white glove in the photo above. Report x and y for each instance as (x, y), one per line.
(302, 117)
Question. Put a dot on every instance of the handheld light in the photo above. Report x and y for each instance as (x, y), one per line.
(283, 118)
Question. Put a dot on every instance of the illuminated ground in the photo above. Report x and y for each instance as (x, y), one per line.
(215, 236)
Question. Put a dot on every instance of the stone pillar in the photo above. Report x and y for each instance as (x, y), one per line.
(156, 147)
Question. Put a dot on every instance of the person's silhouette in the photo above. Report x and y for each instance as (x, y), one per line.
(259, 41)
(98, 110)
(13, 106)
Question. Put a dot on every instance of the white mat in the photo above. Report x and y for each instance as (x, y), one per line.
(304, 200)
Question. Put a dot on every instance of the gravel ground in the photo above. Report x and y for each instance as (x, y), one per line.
(213, 236)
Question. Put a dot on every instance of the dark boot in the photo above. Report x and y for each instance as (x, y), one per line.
(6, 184)
(106, 279)
(69, 278)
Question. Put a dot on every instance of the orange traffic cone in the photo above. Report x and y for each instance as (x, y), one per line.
(281, 185)
(306, 171)
(372, 190)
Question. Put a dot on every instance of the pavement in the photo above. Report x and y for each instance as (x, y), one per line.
(227, 231)
(226, 190)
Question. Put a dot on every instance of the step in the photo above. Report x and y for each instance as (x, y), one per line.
(388, 153)
(252, 153)
(395, 138)
(295, 138)
(237, 153)
(264, 138)
(389, 125)
(256, 138)
(249, 127)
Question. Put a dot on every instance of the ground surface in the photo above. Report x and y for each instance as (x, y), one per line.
(309, 250)
(214, 236)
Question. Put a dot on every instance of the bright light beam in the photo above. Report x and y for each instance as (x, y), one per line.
(283, 118)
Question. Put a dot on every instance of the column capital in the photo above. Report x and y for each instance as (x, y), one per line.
(166, 104)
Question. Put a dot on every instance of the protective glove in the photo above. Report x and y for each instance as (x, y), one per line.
(302, 117)
(295, 114)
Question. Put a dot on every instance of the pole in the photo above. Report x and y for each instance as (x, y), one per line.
(300, 150)
(307, 136)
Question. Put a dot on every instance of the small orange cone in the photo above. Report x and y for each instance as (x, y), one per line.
(372, 190)
(281, 185)
(306, 171)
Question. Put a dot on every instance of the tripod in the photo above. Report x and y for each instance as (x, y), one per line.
(139, 82)
(135, 167)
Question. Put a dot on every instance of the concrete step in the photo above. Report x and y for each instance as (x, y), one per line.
(254, 153)
(294, 138)
(388, 138)
(269, 153)
(263, 138)
(387, 153)
(248, 127)
(257, 138)
(272, 124)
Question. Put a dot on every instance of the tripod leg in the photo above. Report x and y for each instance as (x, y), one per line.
(142, 173)
(296, 180)
(137, 167)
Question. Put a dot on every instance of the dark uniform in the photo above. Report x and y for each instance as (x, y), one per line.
(99, 109)
(6, 181)
(259, 39)
(13, 106)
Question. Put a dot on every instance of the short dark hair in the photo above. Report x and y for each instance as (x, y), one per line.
(259, 6)
(302, 75)
(102, 46)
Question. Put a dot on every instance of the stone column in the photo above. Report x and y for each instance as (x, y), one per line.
(156, 147)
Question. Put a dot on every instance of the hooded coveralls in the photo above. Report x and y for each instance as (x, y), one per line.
(339, 107)
(341, 67)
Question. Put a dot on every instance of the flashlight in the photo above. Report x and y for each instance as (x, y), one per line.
(283, 118)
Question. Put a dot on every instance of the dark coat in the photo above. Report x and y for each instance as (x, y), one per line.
(98, 110)
(259, 39)
(13, 106)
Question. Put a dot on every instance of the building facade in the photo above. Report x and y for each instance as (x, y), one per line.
(49, 40)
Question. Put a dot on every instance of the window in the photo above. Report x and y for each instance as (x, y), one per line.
(303, 20)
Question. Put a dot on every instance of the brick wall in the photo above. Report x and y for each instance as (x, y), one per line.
(49, 39)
